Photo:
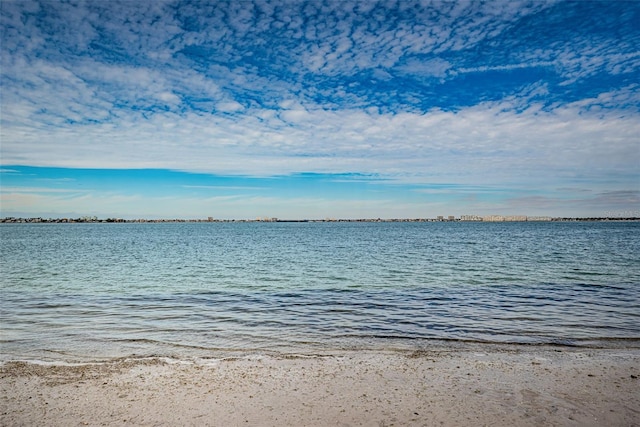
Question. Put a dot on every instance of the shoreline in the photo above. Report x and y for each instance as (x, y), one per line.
(398, 346)
(475, 219)
(466, 385)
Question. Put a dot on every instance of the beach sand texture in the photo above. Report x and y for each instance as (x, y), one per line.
(476, 386)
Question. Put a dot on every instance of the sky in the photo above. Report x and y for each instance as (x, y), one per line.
(319, 109)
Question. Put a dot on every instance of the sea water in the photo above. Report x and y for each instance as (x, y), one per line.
(95, 291)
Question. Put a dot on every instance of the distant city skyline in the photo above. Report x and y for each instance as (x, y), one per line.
(440, 218)
(319, 109)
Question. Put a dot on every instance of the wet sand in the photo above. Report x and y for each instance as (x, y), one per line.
(471, 386)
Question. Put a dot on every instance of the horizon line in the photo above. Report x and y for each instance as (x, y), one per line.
(462, 218)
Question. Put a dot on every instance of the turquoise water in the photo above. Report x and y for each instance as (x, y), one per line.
(78, 291)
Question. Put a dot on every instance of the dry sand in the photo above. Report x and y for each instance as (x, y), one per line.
(473, 386)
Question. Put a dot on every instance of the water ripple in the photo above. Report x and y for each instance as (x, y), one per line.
(125, 288)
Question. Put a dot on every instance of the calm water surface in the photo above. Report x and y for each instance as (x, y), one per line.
(87, 291)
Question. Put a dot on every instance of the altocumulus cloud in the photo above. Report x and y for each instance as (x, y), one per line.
(506, 94)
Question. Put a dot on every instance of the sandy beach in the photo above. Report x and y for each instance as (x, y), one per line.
(472, 386)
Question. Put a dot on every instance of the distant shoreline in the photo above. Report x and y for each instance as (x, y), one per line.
(491, 218)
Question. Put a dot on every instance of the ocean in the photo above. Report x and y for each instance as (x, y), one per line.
(78, 292)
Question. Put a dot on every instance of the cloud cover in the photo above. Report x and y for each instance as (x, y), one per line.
(524, 95)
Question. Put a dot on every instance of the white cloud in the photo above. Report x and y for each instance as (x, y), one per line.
(229, 106)
(40, 190)
(486, 143)
(234, 206)
(225, 89)
(507, 67)
(431, 68)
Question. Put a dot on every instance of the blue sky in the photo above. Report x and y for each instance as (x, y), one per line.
(316, 109)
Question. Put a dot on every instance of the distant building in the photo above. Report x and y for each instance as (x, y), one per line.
(515, 218)
(500, 218)
(539, 218)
